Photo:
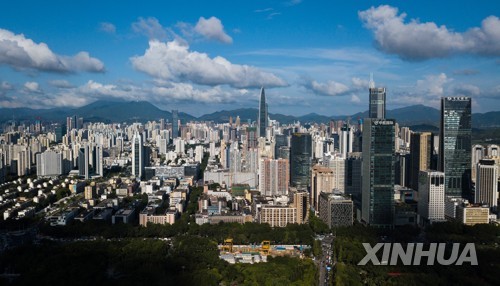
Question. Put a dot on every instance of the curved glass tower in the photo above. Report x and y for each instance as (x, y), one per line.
(262, 121)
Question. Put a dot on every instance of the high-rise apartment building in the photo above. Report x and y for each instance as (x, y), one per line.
(455, 145)
(49, 163)
(321, 181)
(273, 177)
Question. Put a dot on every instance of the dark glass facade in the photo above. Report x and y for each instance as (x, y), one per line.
(175, 124)
(377, 103)
(455, 146)
(300, 160)
(378, 172)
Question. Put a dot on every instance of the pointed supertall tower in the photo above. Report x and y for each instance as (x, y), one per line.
(262, 120)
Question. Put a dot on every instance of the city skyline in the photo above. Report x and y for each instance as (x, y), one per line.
(214, 56)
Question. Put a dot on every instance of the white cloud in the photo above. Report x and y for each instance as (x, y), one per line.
(184, 91)
(355, 99)
(331, 88)
(21, 53)
(32, 87)
(61, 83)
(420, 41)
(212, 29)
(107, 27)
(432, 85)
(173, 61)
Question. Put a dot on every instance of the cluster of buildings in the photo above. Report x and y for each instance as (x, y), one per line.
(370, 170)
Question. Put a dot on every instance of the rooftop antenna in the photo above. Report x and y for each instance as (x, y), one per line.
(372, 83)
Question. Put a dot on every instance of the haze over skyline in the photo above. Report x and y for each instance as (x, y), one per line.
(200, 56)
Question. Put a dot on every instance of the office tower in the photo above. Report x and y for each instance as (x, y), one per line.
(322, 181)
(378, 172)
(60, 131)
(402, 169)
(162, 124)
(280, 141)
(84, 162)
(300, 201)
(98, 160)
(274, 177)
(431, 204)
(300, 160)
(175, 123)
(493, 150)
(336, 209)
(478, 153)
(487, 183)
(345, 140)
(353, 175)
(455, 145)
(49, 164)
(137, 156)
(262, 121)
(377, 101)
(79, 123)
(421, 147)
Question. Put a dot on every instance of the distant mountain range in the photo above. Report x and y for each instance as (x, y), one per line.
(142, 111)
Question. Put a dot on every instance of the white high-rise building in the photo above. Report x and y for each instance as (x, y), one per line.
(99, 160)
(431, 196)
(137, 156)
(49, 163)
(345, 141)
(487, 183)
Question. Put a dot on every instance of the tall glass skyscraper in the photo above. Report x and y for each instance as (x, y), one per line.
(262, 120)
(137, 156)
(455, 145)
(175, 123)
(300, 160)
(377, 202)
(377, 101)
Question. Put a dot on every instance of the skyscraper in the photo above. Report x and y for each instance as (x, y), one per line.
(262, 121)
(431, 196)
(175, 123)
(421, 146)
(377, 101)
(84, 162)
(300, 160)
(345, 140)
(274, 177)
(378, 172)
(487, 183)
(455, 145)
(137, 156)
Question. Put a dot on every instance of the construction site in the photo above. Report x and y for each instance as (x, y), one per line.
(255, 253)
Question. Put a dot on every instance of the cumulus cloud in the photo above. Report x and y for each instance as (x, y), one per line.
(184, 91)
(416, 41)
(107, 27)
(432, 84)
(175, 62)
(212, 29)
(334, 88)
(330, 88)
(22, 53)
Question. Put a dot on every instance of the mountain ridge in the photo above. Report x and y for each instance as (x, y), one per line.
(142, 111)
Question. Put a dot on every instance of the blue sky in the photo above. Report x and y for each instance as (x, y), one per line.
(204, 56)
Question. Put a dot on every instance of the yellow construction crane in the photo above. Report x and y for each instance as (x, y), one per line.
(266, 247)
(228, 245)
